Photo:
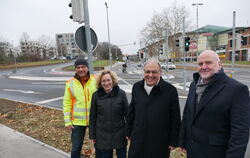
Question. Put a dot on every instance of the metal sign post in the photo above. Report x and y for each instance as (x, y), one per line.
(184, 54)
(233, 46)
(88, 36)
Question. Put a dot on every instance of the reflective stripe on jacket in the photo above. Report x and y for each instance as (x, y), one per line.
(77, 101)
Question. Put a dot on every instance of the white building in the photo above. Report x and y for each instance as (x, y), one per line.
(66, 45)
(5, 48)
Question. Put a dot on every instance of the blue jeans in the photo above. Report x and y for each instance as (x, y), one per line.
(120, 153)
(77, 137)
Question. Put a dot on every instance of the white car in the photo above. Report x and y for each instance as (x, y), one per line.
(62, 58)
(169, 66)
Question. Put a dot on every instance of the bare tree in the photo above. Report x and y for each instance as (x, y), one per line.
(62, 50)
(169, 19)
(102, 51)
(45, 43)
(25, 38)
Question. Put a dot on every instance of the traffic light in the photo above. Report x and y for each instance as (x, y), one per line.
(141, 55)
(243, 40)
(187, 43)
(161, 49)
(177, 43)
(137, 55)
(77, 10)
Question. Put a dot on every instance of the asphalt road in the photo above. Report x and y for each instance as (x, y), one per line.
(45, 85)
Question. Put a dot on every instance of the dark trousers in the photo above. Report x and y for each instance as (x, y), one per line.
(120, 153)
(77, 137)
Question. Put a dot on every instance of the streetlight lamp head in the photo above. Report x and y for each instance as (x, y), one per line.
(106, 4)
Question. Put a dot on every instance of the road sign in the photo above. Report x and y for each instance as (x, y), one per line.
(80, 39)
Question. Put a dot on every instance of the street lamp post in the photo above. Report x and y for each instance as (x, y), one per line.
(197, 12)
(110, 55)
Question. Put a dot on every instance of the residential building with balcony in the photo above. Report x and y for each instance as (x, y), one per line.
(242, 44)
(5, 49)
(66, 45)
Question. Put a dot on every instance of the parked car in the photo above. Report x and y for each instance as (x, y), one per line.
(69, 57)
(52, 58)
(62, 58)
(170, 66)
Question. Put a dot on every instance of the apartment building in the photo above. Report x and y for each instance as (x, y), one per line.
(242, 44)
(5, 48)
(66, 45)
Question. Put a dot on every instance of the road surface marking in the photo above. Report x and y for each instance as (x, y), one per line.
(21, 91)
(48, 83)
(49, 100)
(40, 78)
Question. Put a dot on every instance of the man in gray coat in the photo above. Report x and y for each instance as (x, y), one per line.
(216, 120)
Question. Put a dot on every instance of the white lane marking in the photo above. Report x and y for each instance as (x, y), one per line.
(126, 88)
(124, 81)
(49, 100)
(48, 83)
(40, 78)
(21, 91)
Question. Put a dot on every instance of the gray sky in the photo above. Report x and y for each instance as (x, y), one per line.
(126, 17)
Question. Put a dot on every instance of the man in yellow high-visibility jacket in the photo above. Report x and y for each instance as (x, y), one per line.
(76, 104)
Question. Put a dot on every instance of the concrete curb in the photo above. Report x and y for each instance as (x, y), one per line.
(37, 141)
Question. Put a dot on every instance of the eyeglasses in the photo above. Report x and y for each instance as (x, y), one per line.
(153, 72)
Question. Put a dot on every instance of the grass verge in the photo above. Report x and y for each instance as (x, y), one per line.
(41, 123)
(96, 64)
(31, 64)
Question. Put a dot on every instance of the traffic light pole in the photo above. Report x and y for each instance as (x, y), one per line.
(88, 36)
(184, 54)
(233, 46)
(165, 49)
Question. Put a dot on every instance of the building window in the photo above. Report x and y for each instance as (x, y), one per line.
(231, 43)
(244, 40)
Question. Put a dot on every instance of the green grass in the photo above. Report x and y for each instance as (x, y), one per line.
(99, 63)
(237, 62)
(31, 64)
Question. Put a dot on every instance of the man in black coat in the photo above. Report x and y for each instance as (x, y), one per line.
(153, 119)
(215, 121)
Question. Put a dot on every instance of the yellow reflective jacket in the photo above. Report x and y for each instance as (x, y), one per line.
(77, 101)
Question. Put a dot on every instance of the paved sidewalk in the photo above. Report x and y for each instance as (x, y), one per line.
(17, 145)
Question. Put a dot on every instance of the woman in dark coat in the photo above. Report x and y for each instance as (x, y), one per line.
(107, 117)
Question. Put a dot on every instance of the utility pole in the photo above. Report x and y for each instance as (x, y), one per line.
(233, 46)
(165, 50)
(14, 57)
(184, 54)
(110, 55)
(88, 36)
(197, 18)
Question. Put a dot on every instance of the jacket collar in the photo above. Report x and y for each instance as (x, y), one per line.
(101, 92)
(196, 76)
(158, 86)
(79, 78)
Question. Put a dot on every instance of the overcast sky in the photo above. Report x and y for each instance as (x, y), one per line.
(126, 17)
